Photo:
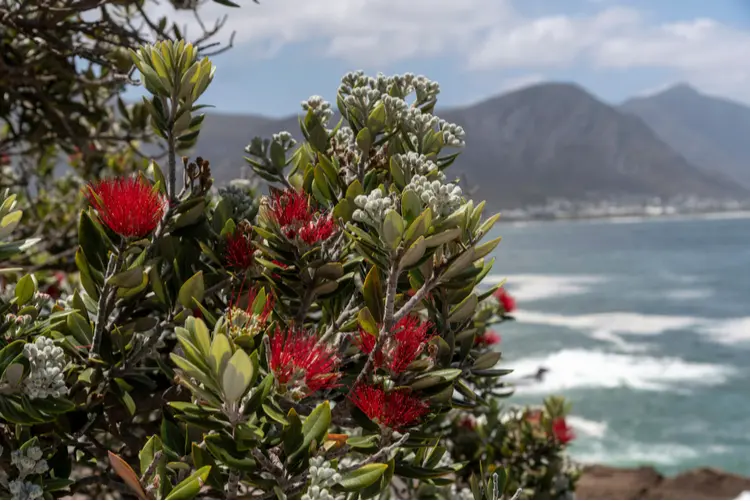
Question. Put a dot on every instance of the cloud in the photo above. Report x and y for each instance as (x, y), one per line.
(551, 41)
(491, 35)
(511, 84)
(359, 31)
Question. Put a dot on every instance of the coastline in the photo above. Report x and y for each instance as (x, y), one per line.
(629, 218)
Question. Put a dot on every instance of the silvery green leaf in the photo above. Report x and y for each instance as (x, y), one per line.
(459, 264)
(13, 374)
(221, 352)
(443, 237)
(364, 140)
(25, 289)
(393, 229)
(465, 309)
(411, 205)
(237, 376)
(397, 173)
(128, 278)
(414, 253)
(482, 250)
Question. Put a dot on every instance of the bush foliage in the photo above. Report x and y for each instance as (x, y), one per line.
(328, 341)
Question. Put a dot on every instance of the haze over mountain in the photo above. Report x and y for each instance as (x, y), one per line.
(547, 141)
(711, 132)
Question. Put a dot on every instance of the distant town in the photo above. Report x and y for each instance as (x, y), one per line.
(624, 207)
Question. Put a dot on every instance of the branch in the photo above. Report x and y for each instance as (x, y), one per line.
(345, 313)
(387, 327)
(416, 298)
(378, 456)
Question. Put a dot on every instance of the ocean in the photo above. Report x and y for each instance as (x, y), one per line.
(644, 325)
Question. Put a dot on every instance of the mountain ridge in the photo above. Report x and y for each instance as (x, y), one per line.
(547, 141)
(712, 132)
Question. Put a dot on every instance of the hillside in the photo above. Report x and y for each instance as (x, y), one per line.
(711, 132)
(525, 147)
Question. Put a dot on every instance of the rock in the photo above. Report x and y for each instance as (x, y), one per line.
(604, 482)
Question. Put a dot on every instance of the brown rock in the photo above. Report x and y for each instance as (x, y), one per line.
(604, 482)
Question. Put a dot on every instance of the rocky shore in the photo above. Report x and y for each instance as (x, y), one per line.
(604, 482)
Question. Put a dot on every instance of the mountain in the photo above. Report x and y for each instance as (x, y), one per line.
(710, 132)
(525, 147)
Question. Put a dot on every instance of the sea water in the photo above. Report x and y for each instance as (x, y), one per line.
(644, 326)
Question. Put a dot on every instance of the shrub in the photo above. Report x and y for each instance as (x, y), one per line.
(314, 346)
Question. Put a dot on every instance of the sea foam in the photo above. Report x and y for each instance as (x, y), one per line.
(589, 369)
(535, 287)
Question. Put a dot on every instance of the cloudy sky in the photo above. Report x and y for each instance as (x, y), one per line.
(286, 50)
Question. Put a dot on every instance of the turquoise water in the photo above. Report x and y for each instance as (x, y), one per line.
(645, 328)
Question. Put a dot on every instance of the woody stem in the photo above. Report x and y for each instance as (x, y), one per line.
(387, 327)
(105, 297)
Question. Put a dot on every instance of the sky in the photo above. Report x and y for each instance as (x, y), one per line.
(287, 50)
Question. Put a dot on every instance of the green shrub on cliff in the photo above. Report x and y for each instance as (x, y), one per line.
(317, 345)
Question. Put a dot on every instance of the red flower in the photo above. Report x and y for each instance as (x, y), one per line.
(317, 231)
(128, 206)
(238, 250)
(280, 265)
(562, 432)
(245, 318)
(409, 338)
(505, 300)
(297, 358)
(397, 410)
(487, 338)
(293, 213)
(290, 208)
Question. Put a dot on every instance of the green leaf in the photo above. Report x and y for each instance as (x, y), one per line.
(157, 285)
(10, 353)
(25, 289)
(191, 216)
(321, 181)
(172, 438)
(397, 173)
(482, 250)
(364, 140)
(316, 424)
(274, 414)
(148, 452)
(373, 294)
(189, 488)
(393, 229)
(486, 361)
(363, 477)
(414, 253)
(221, 352)
(419, 226)
(465, 309)
(238, 376)
(129, 403)
(459, 264)
(80, 329)
(411, 205)
(191, 291)
(92, 241)
(410, 471)
(443, 237)
(367, 322)
(127, 279)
